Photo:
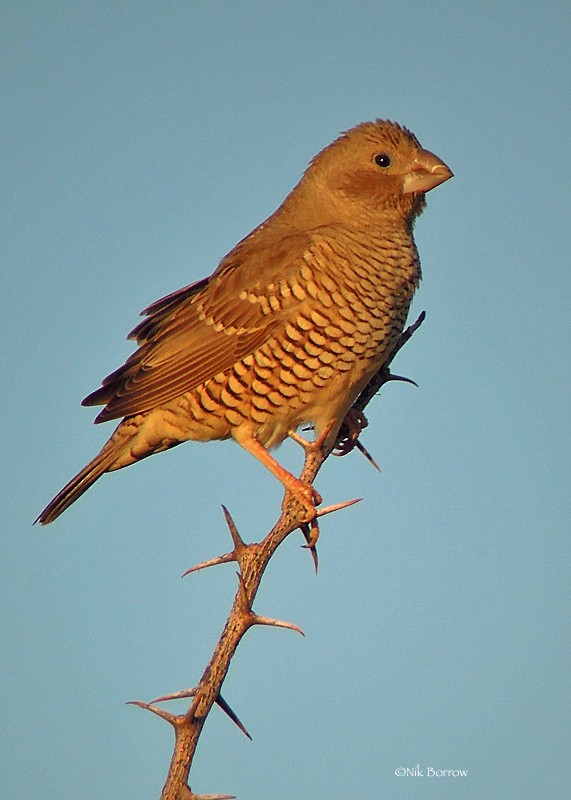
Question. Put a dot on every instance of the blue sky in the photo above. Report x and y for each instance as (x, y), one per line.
(140, 141)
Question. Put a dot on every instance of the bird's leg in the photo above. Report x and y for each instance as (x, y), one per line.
(311, 531)
(304, 492)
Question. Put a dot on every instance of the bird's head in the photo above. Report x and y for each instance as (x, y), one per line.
(376, 165)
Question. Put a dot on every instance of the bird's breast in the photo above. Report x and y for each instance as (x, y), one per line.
(354, 294)
(366, 278)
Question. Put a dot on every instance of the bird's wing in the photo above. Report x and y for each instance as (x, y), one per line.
(201, 330)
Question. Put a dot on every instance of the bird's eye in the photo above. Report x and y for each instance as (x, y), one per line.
(383, 160)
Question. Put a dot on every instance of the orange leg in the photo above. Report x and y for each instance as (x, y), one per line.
(304, 492)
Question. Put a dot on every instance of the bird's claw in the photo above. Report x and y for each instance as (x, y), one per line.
(353, 425)
(306, 495)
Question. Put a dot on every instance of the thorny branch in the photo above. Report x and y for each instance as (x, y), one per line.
(252, 560)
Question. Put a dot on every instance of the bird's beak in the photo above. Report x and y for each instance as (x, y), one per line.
(427, 171)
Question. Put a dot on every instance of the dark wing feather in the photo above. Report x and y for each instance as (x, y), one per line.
(193, 334)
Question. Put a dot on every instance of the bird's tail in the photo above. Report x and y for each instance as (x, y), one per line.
(110, 457)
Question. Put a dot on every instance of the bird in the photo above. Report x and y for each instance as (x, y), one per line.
(291, 325)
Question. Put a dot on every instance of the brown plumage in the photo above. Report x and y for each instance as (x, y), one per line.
(291, 326)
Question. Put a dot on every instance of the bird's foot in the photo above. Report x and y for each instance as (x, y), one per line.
(354, 423)
(305, 494)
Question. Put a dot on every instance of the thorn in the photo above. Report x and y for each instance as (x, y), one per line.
(392, 377)
(184, 693)
(212, 562)
(160, 712)
(227, 710)
(255, 619)
(305, 443)
(311, 530)
(338, 507)
(317, 443)
(239, 543)
(362, 449)
(239, 547)
(275, 623)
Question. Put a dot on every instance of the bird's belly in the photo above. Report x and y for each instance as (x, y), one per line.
(311, 372)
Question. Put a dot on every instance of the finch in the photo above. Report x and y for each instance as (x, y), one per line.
(290, 327)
